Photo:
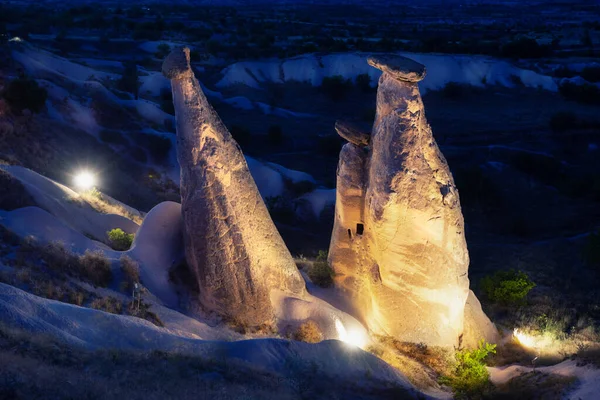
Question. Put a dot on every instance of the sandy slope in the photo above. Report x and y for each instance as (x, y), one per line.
(94, 329)
(588, 376)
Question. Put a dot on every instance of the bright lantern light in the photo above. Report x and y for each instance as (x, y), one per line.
(85, 180)
(525, 339)
(353, 337)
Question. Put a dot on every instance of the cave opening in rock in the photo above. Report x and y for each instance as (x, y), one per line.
(360, 228)
(349, 233)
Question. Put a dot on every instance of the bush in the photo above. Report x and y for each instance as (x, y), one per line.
(591, 74)
(131, 272)
(363, 83)
(162, 50)
(507, 287)
(563, 121)
(525, 48)
(108, 304)
(275, 135)
(335, 87)
(119, 239)
(241, 135)
(470, 376)
(24, 93)
(321, 273)
(453, 90)
(308, 332)
(591, 252)
(95, 267)
(586, 93)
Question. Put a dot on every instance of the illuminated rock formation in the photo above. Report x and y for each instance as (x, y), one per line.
(231, 243)
(398, 246)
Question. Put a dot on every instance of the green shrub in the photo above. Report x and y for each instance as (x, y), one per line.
(507, 287)
(119, 239)
(24, 93)
(470, 376)
(321, 273)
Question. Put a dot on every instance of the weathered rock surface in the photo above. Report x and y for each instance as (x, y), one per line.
(352, 133)
(231, 243)
(398, 246)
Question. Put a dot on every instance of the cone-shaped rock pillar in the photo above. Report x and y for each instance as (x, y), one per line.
(398, 246)
(231, 243)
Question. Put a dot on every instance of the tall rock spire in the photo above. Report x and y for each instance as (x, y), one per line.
(398, 246)
(231, 243)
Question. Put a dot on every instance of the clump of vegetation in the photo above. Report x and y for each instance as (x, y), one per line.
(591, 252)
(129, 81)
(321, 273)
(563, 121)
(96, 267)
(25, 93)
(281, 209)
(534, 385)
(162, 50)
(453, 90)
(240, 134)
(119, 239)
(275, 135)
(470, 376)
(336, 87)
(363, 83)
(131, 272)
(507, 287)
(308, 332)
(107, 304)
(586, 93)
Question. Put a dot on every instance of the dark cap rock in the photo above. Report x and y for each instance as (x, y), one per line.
(401, 68)
(177, 64)
(352, 133)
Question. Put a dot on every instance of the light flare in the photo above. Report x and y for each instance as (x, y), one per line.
(85, 180)
(353, 337)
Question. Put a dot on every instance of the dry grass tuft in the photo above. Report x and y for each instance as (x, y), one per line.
(102, 204)
(108, 304)
(131, 272)
(533, 385)
(95, 267)
(308, 332)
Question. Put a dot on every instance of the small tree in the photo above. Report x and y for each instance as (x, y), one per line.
(470, 376)
(129, 81)
(162, 50)
(25, 93)
(363, 82)
(335, 87)
(321, 273)
(275, 135)
(119, 239)
(507, 287)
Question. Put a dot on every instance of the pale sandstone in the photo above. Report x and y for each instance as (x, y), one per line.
(231, 243)
(398, 246)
